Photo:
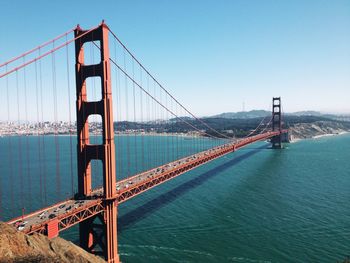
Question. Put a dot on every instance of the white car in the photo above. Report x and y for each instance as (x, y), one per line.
(42, 214)
(20, 222)
(21, 227)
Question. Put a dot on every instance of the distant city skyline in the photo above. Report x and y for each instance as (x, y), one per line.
(219, 53)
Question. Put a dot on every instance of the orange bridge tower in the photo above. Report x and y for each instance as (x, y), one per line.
(93, 235)
(276, 122)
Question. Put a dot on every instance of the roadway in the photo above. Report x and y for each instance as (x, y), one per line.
(71, 212)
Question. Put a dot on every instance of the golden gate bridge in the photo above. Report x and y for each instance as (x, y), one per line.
(110, 84)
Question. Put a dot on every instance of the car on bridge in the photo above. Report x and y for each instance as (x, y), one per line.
(42, 214)
(51, 216)
(21, 227)
(20, 222)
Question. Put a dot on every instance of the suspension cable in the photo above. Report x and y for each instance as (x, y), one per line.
(267, 125)
(165, 90)
(36, 48)
(256, 127)
(45, 54)
(157, 101)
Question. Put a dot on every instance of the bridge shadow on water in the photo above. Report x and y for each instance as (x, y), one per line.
(139, 213)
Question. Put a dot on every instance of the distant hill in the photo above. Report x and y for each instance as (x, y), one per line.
(306, 113)
(183, 118)
(243, 114)
(263, 113)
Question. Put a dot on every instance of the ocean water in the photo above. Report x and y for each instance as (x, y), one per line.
(254, 205)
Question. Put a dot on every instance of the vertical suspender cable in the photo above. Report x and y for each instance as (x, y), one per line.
(19, 146)
(177, 137)
(161, 120)
(167, 127)
(70, 122)
(142, 125)
(27, 138)
(57, 150)
(43, 131)
(173, 134)
(127, 119)
(148, 109)
(117, 138)
(38, 133)
(134, 111)
(9, 144)
(121, 138)
(156, 121)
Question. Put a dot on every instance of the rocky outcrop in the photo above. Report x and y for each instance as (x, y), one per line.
(18, 247)
(319, 128)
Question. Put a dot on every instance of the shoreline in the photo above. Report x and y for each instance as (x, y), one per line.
(184, 135)
(316, 137)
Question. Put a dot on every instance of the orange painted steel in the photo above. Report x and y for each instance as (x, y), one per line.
(67, 219)
(52, 228)
(130, 192)
(104, 152)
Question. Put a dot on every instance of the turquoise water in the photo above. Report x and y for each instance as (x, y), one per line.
(255, 205)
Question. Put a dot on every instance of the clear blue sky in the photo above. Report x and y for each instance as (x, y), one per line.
(213, 55)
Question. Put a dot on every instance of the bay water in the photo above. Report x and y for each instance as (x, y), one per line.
(255, 205)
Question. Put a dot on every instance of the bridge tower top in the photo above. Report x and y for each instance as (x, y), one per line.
(276, 114)
(276, 122)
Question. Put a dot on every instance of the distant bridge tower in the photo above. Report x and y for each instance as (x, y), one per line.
(91, 234)
(276, 122)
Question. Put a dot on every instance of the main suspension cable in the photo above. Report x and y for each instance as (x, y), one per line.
(158, 102)
(165, 90)
(36, 48)
(45, 54)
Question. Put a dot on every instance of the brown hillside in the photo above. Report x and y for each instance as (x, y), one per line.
(18, 247)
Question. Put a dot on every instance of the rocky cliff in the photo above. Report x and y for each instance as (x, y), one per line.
(318, 128)
(18, 247)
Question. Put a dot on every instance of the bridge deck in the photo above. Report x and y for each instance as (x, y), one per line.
(70, 212)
